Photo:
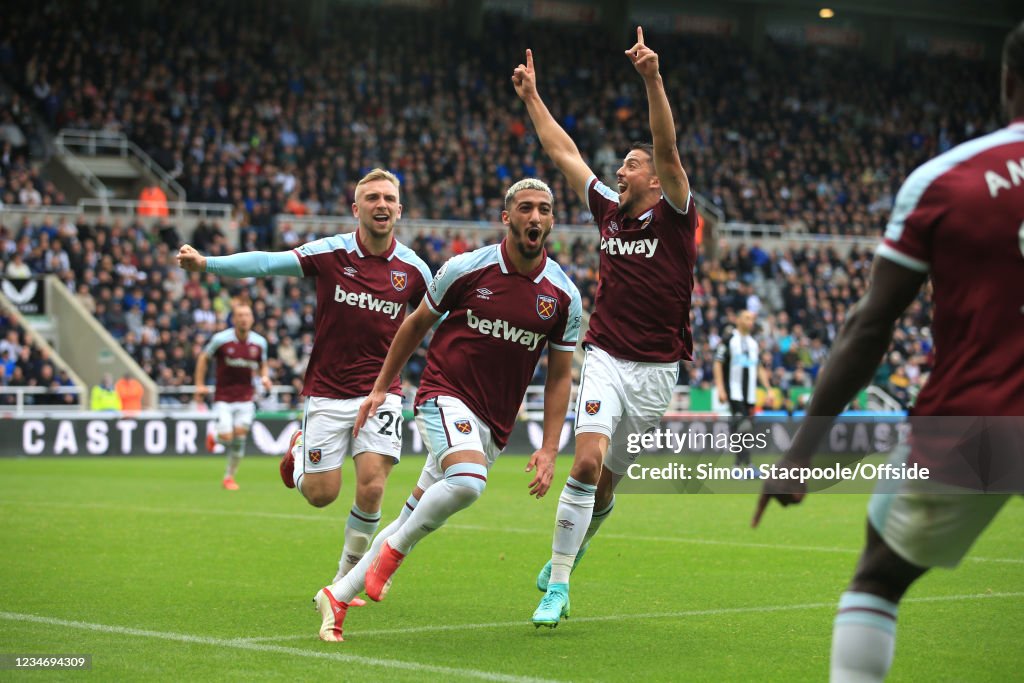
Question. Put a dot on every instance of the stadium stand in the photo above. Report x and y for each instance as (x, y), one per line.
(23, 364)
(264, 117)
(256, 111)
(162, 316)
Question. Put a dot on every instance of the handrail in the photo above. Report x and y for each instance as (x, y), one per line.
(21, 391)
(173, 185)
(350, 223)
(97, 142)
(780, 232)
(332, 223)
(706, 205)
(128, 207)
(884, 399)
(79, 167)
(189, 389)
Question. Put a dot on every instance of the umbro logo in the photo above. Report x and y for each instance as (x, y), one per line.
(350, 271)
(484, 293)
(566, 524)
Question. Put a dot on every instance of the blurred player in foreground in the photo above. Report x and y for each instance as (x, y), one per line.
(364, 282)
(960, 219)
(640, 328)
(240, 355)
(504, 303)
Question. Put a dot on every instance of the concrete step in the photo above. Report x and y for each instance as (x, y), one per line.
(111, 167)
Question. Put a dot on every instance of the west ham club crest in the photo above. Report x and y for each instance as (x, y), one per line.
(545, 306)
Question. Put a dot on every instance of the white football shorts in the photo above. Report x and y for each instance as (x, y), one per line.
(327, 432)
(447, 425)
(231, 416)
(925, 526)
(619, 397)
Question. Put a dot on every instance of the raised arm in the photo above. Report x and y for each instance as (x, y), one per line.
(556, 142)
(667, 166)
(247, 264)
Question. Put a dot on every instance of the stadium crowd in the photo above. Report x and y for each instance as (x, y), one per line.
(125, 275)
(23, 364)
(21, 182)
(261, 111)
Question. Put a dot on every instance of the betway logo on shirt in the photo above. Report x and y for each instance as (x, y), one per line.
(616, 246)
(242, 363)
(502, 330)
(368, 302)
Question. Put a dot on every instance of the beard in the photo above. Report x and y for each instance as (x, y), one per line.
(531, 248)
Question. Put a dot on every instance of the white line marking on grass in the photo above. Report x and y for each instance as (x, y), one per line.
(711, 541)
(628, 617)
(242, 644)
(468, 527)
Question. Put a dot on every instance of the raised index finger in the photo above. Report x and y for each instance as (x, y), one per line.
(529, 59)
(762, 503)
(640, 35)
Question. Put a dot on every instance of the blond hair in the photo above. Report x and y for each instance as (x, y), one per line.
(379, 174)
(527, 184)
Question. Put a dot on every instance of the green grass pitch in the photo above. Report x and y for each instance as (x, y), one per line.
(148, 565)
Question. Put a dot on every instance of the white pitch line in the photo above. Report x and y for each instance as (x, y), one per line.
(471, 527)
(396, 664)
(628, 617)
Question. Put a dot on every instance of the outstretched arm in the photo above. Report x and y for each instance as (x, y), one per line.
(247, 264)
(408, 337)
(667, 166)
(556, 142)
(855, 356)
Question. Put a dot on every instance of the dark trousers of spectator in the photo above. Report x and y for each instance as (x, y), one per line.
(741, 422)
